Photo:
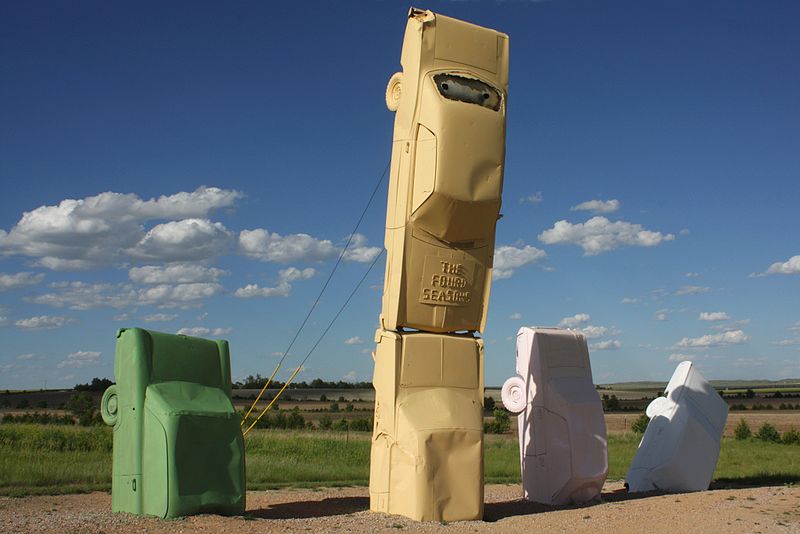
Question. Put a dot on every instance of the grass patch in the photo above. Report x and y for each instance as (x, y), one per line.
(38, 459)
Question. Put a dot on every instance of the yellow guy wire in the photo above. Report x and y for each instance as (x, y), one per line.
(272, 401)
(266, 385)
(314, 305)
(319, 340)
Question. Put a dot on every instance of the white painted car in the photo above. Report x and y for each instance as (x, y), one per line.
(680, 447)
(562, 432)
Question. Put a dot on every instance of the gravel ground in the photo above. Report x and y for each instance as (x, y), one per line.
(763, 509)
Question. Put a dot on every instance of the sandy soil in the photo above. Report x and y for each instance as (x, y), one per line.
(764, 509)
(783, 420)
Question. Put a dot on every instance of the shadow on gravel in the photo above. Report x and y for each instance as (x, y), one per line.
(495, 511)
(309, 509)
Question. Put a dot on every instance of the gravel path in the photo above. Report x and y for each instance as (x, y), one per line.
(764, 509)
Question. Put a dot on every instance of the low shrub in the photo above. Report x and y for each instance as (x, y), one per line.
(767, 432)
(791, 437)
(640, 425)
(742, 430)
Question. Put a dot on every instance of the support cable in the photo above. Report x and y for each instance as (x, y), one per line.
(316, 301)
(319, 340)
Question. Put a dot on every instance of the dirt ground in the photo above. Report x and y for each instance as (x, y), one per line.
(762, 509)
(783, 420)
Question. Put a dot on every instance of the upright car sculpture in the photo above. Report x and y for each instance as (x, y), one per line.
(444, 201)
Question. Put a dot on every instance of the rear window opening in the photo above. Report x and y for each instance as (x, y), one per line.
(468, 90)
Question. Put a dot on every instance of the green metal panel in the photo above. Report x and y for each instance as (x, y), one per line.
(178, 447)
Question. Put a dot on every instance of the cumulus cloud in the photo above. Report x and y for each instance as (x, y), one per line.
(790, 266)
(733, 325)
(185, 240)
(43, 322)
(176, 273)
(660, 315)
(13, 281)
(678, 357)
(598, 235)
(610, 344)
(358, 250)
(355, 340)
(787, 342)
(282, 289)
(508, 258)
(598, 206)
(692, 290)
(593, 332)
(85, 296)
(262, 245)
(734, 337)
(535, 198)
(351, 376)
(160, 317)
(199, 331)
(97, 230)
(713, 316)
(575, 320)
(82, 358)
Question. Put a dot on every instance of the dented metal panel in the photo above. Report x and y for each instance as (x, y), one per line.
(562, 433)
(444, 201)
(446, 174)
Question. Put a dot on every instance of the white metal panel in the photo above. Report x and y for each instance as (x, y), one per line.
(562, 433)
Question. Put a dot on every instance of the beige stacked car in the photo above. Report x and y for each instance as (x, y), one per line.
(444, 202)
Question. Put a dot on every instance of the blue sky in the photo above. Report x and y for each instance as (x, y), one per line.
(197, 166)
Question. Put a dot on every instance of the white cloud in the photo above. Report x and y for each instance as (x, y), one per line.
(790, 266)
(692, 290)
(95, 231)
(355, 340)
(598, 206)
(692, 275)
(749, 362)
(575, 320)
(199, 331)
(786, 342)
(43, 322)
(611, 344)
(282, 289)
(160, 317)
(351, 376)
(535, 198)
(176, 273)
(29, 357)
(262, 245)
(660, 315)
(676, 357)
(82, 358)
(85, 296)
(629, 300)
(516, 316)
(13, 281)
(598, 235)
(713, 316)
(734, 337)
(593, 332)
(733, 325)
(185, 240)
(508, 258)
(358, 250)
(122, 317)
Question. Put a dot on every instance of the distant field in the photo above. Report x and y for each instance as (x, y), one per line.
(56, 459)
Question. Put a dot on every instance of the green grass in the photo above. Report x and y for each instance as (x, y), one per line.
(61, 459)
